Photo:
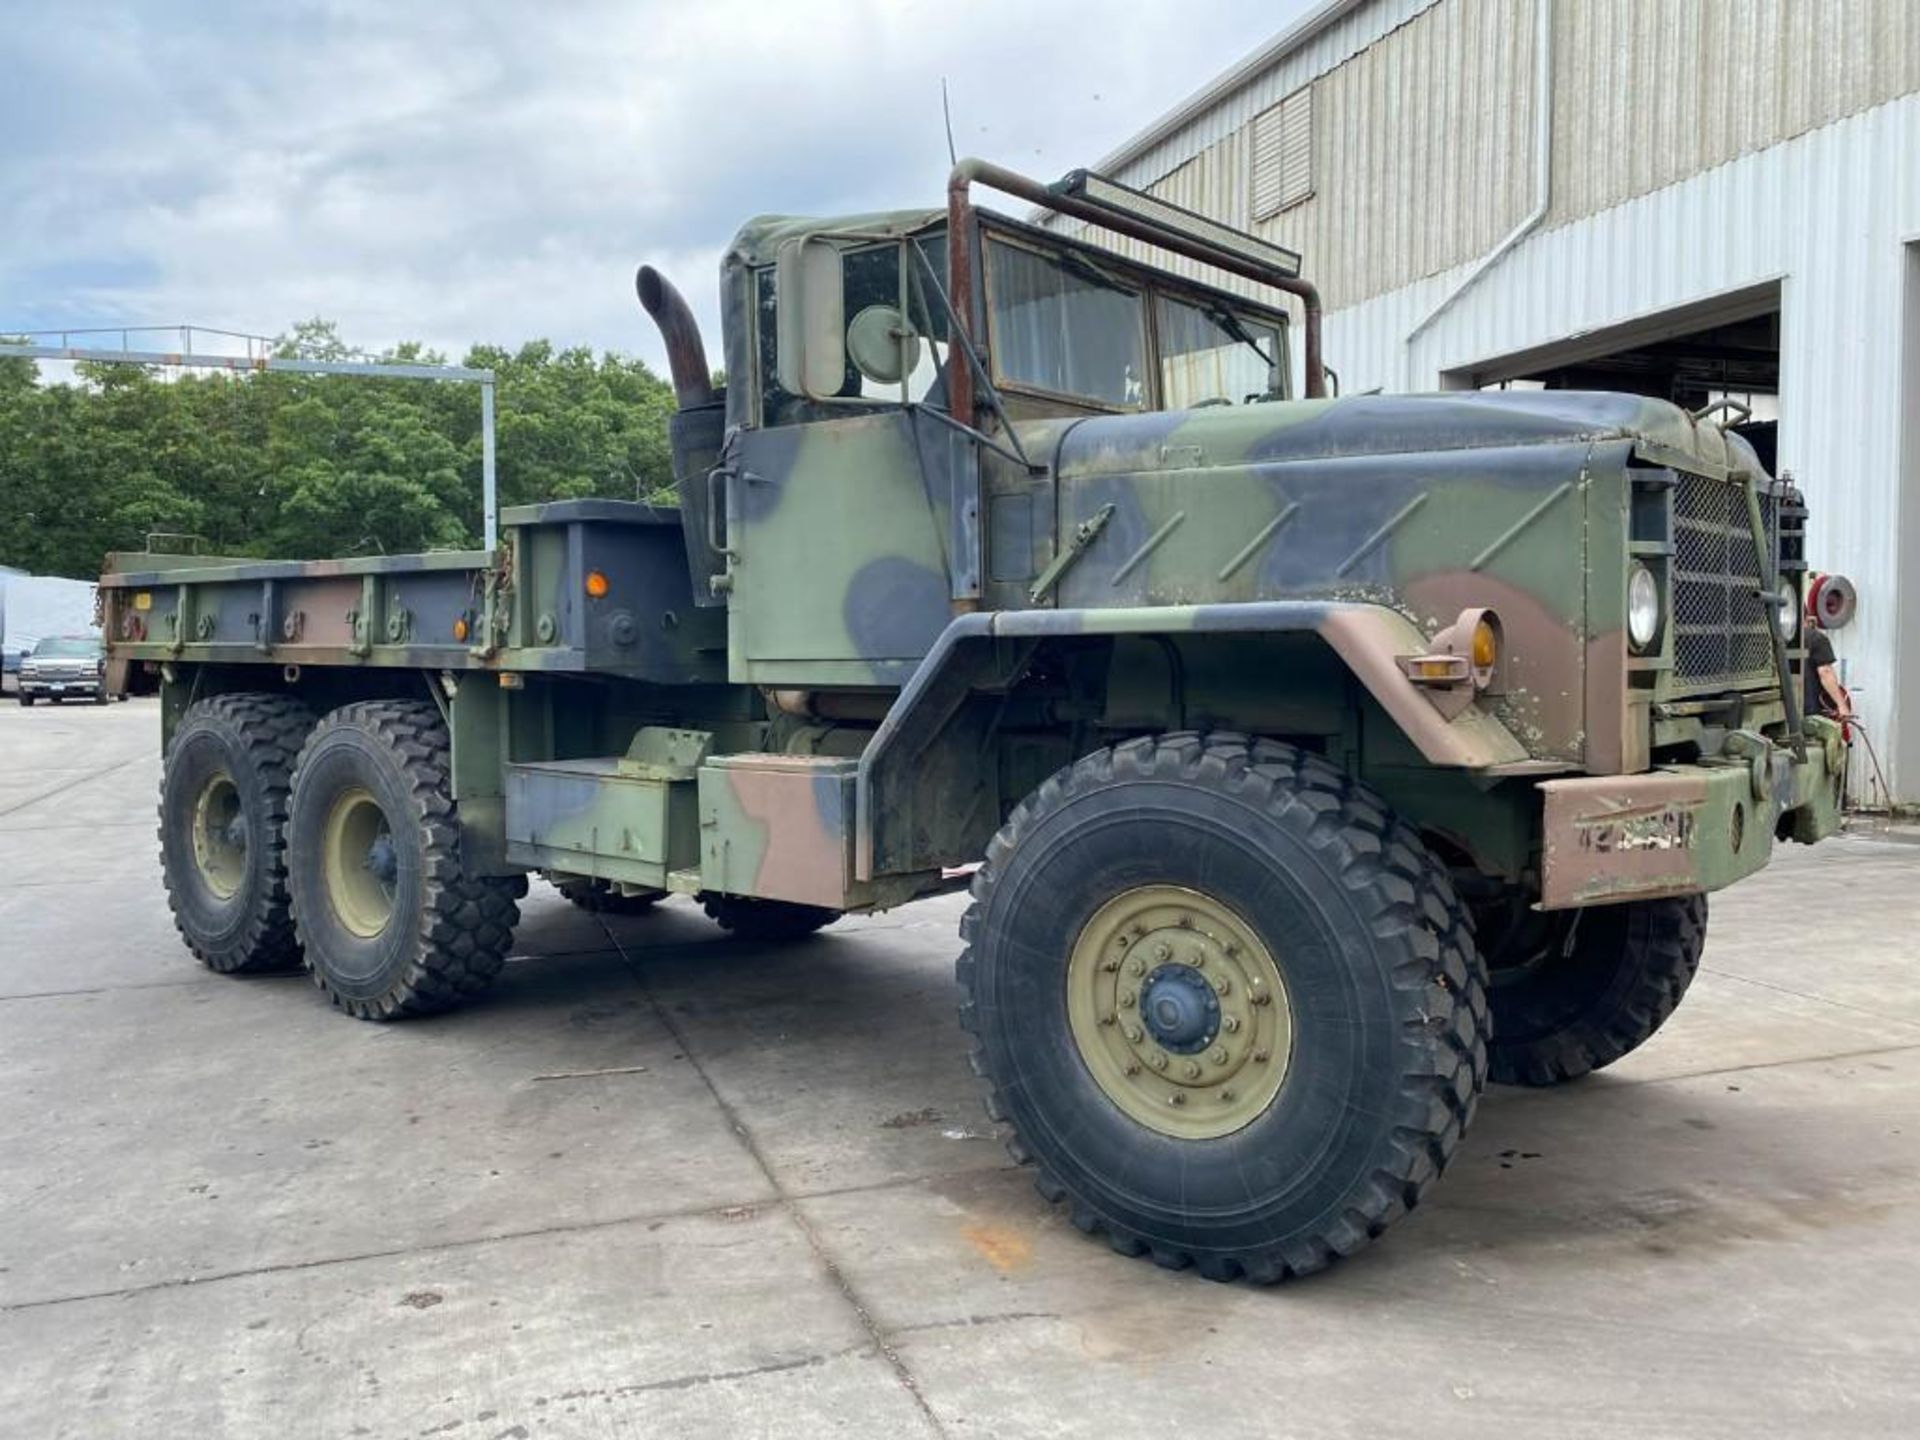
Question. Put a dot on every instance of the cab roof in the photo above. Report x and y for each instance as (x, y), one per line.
(758, 241)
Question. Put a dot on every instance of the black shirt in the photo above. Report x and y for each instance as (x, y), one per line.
(1819, 653)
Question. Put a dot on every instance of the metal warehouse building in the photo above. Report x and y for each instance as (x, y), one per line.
(1694, 199)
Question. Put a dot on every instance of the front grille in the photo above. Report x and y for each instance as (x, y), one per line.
(1720, 622)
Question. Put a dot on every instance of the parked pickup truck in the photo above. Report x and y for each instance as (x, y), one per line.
(1319, 758)
(63, 667)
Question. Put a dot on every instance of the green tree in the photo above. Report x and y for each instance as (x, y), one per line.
(288, 465)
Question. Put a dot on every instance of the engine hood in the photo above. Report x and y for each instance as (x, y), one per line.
(1378, 425)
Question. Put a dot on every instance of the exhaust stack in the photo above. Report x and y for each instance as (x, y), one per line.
(686, 355)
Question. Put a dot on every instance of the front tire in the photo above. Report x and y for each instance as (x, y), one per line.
(1594, 986)
(389, 919)
(223, 829)
(1125, 926)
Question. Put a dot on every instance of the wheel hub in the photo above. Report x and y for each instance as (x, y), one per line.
(361, 864)
(1179, 1011)
(382, 862)
(220, 836)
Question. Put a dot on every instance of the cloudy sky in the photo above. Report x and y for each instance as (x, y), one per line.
(494, 171)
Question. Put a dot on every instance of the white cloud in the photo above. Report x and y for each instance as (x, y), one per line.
(495, 171)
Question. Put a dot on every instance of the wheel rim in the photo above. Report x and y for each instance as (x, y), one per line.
(361, 863)
(1179, 1012)
(220, 836)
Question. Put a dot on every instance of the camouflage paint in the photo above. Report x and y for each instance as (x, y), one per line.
(876, 551)
(632, 819)
(779, 827)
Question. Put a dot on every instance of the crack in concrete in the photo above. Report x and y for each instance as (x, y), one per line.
(1753, 1065)
(62, 789)
(721, 1209)
(207, 979)
(1812, 999)
(882, 1343)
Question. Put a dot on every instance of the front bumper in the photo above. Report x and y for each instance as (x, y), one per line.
(48, 687)
(1684, 829)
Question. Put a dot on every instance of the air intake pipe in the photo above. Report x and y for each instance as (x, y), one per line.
(686, 356)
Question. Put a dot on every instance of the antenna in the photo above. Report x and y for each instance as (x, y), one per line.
(946, 111)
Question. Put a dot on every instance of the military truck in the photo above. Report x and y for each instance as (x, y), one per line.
(1311, 761)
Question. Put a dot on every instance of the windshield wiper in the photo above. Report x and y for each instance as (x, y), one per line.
(1230, 322)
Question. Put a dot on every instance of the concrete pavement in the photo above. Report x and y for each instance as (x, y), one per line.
(661, 1183)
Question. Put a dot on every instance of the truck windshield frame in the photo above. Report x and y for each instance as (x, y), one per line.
(1053, 315)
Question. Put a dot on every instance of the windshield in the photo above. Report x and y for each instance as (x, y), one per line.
(1211, 355)
(1061, 325)
(67, 647)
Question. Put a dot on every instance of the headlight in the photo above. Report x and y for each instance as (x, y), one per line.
(1643, 606)
(1786, 610)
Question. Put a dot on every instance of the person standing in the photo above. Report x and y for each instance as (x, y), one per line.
(1821, 690)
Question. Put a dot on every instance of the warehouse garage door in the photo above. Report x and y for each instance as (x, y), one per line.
(1726, 347)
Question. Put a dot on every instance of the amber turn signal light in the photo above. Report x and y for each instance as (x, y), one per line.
(1486, 646)
(596, 585)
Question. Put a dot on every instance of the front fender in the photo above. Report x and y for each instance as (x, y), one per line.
(1369, 639)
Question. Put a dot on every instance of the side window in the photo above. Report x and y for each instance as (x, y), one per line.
(871, 277)
(1060, 325)
(1210, 355)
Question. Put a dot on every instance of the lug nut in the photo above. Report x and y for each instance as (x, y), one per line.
(1219, 1055)
(1133, 1033)
(1127, 998)
(1230, 1024)
(1138, 967)
(1222, 984)
(1163, 952)
(1193, 1069)
(1159, 1062)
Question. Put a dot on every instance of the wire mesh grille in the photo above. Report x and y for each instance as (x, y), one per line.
(1720, 620)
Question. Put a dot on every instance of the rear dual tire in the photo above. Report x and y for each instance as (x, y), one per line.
(765, 921)
(224, 792)
(603, 897)
(390, 921)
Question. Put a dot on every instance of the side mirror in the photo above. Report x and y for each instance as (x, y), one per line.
(882, 345)
(811, 327)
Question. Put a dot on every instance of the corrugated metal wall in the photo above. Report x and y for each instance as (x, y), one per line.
(1652, 91)
(1423, 117)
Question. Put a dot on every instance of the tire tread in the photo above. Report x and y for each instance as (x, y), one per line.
(466, 921)
(1443, 976)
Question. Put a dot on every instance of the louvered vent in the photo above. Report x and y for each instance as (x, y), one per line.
(1283, 154)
